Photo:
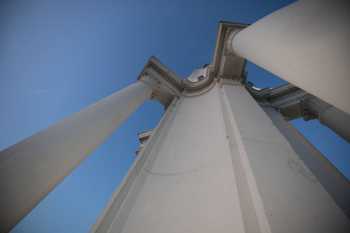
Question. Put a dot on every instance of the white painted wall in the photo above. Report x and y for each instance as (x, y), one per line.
(218, 164)
(292, 197)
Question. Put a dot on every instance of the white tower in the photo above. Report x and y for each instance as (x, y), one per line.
(221, 160)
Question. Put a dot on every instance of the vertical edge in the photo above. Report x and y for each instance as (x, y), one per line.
(252, 208)
(106, 219)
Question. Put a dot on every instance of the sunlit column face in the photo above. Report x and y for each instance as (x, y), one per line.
(306, 44)
(33, 167)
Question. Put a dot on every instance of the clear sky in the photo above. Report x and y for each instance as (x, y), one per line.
(60, 56)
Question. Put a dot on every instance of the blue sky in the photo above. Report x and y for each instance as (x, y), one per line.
(60, 56)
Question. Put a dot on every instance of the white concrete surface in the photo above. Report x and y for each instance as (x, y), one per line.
(218, 164)
(187, 184)
(306, 44)
(30, 169)
(130, 181)
(292, 197)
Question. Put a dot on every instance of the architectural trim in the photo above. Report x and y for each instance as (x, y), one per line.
(226, 64)
(164, 83)
(293, 102)
(116, 202)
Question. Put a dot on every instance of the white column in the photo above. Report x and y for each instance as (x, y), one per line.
(307, 44)
(336, 184)
(30, 169)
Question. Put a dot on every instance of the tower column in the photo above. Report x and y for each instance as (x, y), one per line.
(30, 169)
(306, 44)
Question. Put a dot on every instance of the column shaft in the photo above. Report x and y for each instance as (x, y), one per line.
(336, 184)
(305, 43)
(30, 169)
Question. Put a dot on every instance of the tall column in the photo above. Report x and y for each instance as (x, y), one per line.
(30, 169)
(218, 164)
(305, 43)
(336, 184)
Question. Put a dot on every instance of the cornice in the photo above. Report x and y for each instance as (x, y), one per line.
(225, 65)
(165, 84)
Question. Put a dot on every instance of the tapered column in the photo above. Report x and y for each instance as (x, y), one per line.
(30, 169)
(305, 43)
(336, 184)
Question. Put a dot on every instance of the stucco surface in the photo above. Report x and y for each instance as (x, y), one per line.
(217, 163)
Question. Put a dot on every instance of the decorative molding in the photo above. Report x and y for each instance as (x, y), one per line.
(226, 64)
(165, 84)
